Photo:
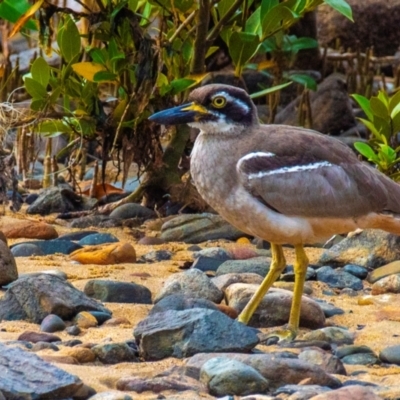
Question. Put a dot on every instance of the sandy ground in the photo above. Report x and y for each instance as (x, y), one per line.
(381, 318)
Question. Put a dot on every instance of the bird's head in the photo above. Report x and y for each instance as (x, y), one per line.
(214, 109)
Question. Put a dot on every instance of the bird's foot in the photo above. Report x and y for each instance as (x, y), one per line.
(286, 334)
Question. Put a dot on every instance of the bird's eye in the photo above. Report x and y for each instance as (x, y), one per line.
(219, 102)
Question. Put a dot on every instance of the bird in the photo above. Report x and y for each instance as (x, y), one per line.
(287, 185)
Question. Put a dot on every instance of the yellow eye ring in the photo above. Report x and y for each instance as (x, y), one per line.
(219, 102)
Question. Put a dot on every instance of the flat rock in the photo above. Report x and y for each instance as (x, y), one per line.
(111, 395)
(52, 323)
(389, 284)
(193, 283)
(132, 210)
(328, 362)
(35, 337)
(223, 281)
(26, 250)
(338, 278)
(115, 253)
(184, 333)
(25, 375)
(17, 228)
(257, 265)
(301, 392)
(76, 235)
(274, 309)
(331, 334)
(48, 247)
(98, 238)
(279, 371)
(8, 267)
(384, 271)
(198, 228)
(391, 354)
(179, 302)
(355, 392)
(117, 292)
(224, 376)
(371, 249)
(114, 353)
(34, 297)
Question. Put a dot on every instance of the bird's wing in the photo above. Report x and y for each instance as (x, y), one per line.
(317, 181)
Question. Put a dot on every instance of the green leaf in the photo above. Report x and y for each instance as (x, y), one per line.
(342, 6)
(366, 150)
(371, 127)
(393, 102)
(68, 39)
(243, 46)
(113, 52)
(99, 56)
(389, 152)
(363, 102)
(379, 108)
(51, 126)
(276, 18)
(12, 10)
(383, 126)
(223, 7)
(104, 76)
(179, 85)
(35, 89)
(266, 5)
(384, 98)
(40, 71)
(304, 80)
(269, 90)
(302, 43)
(253, 23)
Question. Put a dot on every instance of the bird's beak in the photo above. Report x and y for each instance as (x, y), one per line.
(186, 113)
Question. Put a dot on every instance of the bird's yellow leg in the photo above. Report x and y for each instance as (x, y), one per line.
(278, 263)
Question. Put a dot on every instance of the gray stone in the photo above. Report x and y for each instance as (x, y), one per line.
(371, 249)
(198, 228)
(179, 302)
(224, 281)
(111, 395)
(26, 250)
(355, 392)
(301, 392)
(328, 362)
(345, 351)
(278, 371)
(388, 284)
(24, 375)
(184, 333)
(8, 267)
(92, 220)
(256, 265)
(193, 283)
(114, 353)
(217, 253)
(338, 278)
(34, 297)
(117, 292)
(132, 210)
(224, 376)
(361, 359)
(98, 238)
(275, 307)
(35, 337)
(391, 354)
(157, 255)
(356, 270)
(329, 309)
(289, 276)
(206, 263)
(73, 236)
(52, 323)
(54, 246)
(331, 334)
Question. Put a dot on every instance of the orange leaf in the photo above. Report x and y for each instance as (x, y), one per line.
(266, 65)
(24, 18)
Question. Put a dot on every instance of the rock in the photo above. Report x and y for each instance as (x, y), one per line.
(34, 297)
(31, 198)
(345, 351)
(338, 278)
(206, 263)
(390, 354)
(301, 392)
(59, 200)
(55, 246)
(307, 288)
(44, 346)
(92, 220)
(105, 254)
(361, 359)
(98, 238)
(329, 309)
(8, 267)
(330, 106)
(198, 228)
(132, 210)
(73, 330)
(150, 241)
(257, 265)
(157, 255)
(26, 250)
(371, 249)
(328, 362)
(384, 271)
(224, 376)
(73, 236)
(160, 384)
(193, 283)
(349, 392)
(275, 307)
(356, 270)
(331, 334)
(111, 395)
(85, 320)
(288, 274)
(223, 281)
(217, 253)
(25, 375)
(117, 292)
(52, 323)
(184, 333)
(390, 284)
(100, 316)
(179, 302)
(114, 353)
(278, 371)
(81, 354)
(17, 228)
(117, 321)
(35, 337)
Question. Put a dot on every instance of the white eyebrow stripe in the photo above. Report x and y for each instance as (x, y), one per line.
(256, 155)
(284, 170)
(235, 100)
